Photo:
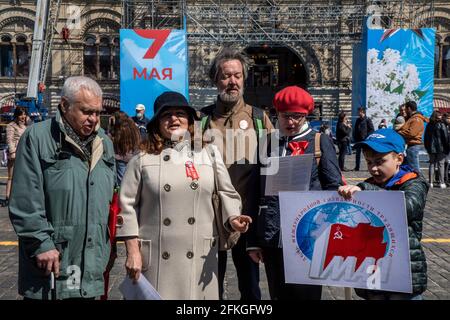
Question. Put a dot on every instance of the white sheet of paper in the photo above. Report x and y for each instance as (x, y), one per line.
(294, 174)
(142, 290)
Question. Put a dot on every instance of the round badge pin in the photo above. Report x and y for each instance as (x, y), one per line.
(243, 124)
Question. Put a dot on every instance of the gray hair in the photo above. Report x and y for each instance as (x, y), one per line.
(74, 84)
(227, 54)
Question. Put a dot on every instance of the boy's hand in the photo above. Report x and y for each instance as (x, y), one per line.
(348, 190)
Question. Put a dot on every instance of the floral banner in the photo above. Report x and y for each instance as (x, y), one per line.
(400, 68)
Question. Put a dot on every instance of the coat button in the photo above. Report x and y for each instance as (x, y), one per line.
(119, 221)
(167, 187)
(191, 220)
(190, 255)
(92, 183)
(166, 221)
(194, 185)
(89, 239)
(166, 157)
(214, 243)
(165, 255)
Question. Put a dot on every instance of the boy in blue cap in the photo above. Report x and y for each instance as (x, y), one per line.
(384, 152)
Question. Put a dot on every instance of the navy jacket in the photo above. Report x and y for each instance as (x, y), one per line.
(436, 139)
(363, 128)
(142, 126)
(325, 176)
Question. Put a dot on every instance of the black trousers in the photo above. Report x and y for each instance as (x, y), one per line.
(278, 289)
(247, 271)
(358, 157)
(342, 152)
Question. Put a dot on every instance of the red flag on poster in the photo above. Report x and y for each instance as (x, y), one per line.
(362, 241)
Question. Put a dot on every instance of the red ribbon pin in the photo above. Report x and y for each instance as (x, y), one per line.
(190, 170)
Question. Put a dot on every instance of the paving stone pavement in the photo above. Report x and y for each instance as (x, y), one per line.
(436, 226)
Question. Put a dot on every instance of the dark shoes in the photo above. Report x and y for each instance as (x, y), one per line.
(4, 202)
(356, 169)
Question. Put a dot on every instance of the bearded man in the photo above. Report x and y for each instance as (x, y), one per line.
(233, 123)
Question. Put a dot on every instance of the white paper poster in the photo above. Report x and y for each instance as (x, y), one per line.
(358, 243)
(294, 174)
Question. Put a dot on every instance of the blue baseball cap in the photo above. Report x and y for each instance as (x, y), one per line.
(384, 141)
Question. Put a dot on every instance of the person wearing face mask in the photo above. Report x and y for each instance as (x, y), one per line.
(169, 223)
(141, 121)
(293, 105)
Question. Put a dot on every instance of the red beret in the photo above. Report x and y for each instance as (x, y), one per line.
(293, 99)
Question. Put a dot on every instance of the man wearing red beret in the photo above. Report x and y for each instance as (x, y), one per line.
(293, 104)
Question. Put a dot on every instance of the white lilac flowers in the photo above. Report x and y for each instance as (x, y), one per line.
(389, 84)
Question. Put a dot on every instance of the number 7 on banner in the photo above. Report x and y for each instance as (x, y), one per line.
(159, 36)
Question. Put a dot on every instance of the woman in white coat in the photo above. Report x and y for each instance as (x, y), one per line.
(168, 219)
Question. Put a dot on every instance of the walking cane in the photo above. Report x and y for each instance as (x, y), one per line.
(348, 293)
(52, 286)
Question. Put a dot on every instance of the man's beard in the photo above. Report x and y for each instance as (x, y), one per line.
(230, 98)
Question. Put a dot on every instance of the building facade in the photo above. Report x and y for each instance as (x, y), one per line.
(306, 43)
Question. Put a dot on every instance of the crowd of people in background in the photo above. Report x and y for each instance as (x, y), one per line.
(410, 124)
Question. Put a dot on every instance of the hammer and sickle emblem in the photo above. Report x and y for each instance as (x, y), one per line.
(338, 235)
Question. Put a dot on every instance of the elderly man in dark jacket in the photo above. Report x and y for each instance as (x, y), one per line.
(363, 128)
(293, 104)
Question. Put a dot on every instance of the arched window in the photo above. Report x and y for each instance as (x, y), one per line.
(442, 55)
(101, 60)
(446, 58)
(90, 57)
(6, 57)
(436, 56)
(22, 56)
(105, 58)
(116, 58)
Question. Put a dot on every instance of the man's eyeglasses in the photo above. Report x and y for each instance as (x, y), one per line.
(292, 116)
